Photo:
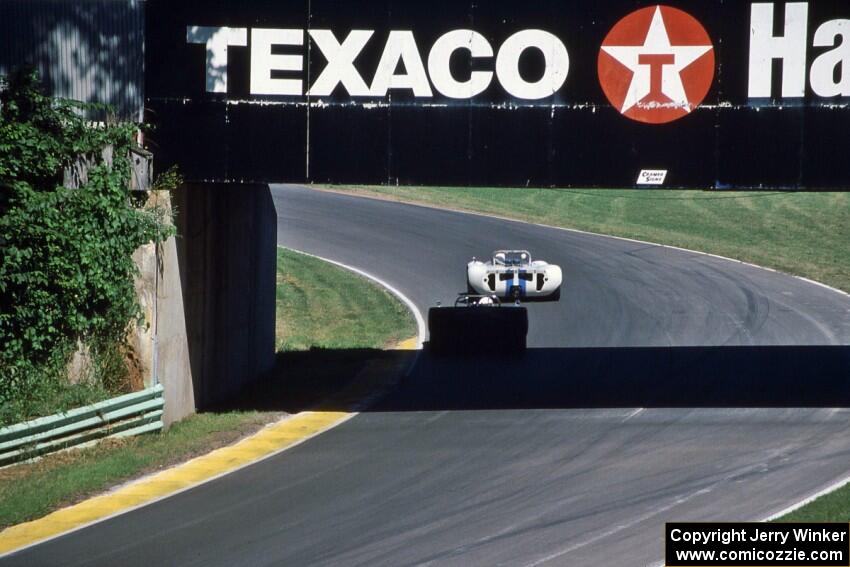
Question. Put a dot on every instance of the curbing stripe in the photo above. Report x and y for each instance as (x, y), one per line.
(270, 441)
(410, 344)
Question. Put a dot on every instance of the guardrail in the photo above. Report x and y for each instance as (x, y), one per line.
(124, 416)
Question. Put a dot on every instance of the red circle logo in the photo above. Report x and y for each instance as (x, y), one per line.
(656, 65)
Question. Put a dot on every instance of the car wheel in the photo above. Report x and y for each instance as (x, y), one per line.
(557, 295)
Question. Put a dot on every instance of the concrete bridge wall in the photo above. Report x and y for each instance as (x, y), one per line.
(227, 255)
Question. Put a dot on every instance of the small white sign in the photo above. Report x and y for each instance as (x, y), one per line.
(652, 177)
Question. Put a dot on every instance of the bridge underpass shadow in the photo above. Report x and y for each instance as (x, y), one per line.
(747, 376)
(550, 378)
(313, 379)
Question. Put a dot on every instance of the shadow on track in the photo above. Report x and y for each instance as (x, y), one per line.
(306, 380)
(776, 376)
(631, 377)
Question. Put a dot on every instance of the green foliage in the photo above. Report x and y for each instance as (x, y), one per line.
(49, 393)
(168, 180)
(66, 272)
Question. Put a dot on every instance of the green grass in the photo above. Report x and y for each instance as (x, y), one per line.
(323, 306)
(318, 305)
(107, 373)
(806, 234)
(832, 507)
(32, 490)
(51, 396)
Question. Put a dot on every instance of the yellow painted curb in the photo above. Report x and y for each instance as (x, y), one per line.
(409, 344)
(269, 441)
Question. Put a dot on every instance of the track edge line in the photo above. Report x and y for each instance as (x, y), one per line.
(420, 338)
(575, 230)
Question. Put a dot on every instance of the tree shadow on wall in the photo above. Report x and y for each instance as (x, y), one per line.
(91, 51)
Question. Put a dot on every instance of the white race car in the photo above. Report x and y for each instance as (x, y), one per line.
(512, 274)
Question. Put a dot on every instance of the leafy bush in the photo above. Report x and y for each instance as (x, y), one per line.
(66, 271)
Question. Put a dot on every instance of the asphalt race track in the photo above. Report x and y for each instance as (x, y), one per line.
(654, 391)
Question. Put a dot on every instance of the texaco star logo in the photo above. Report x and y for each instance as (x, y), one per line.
(656, 65)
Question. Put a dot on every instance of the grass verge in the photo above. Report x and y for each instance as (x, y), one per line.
(832, 507)
(806, 234)
(107, 370)
(52, 396)
(326, 307)
(31, 490)
(319, 306)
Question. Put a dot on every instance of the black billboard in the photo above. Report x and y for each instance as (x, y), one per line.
(722, 94)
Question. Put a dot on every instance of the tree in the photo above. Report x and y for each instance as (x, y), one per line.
(66, 271)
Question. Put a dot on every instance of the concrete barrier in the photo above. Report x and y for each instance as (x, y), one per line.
(159, 341)
(227, 254)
